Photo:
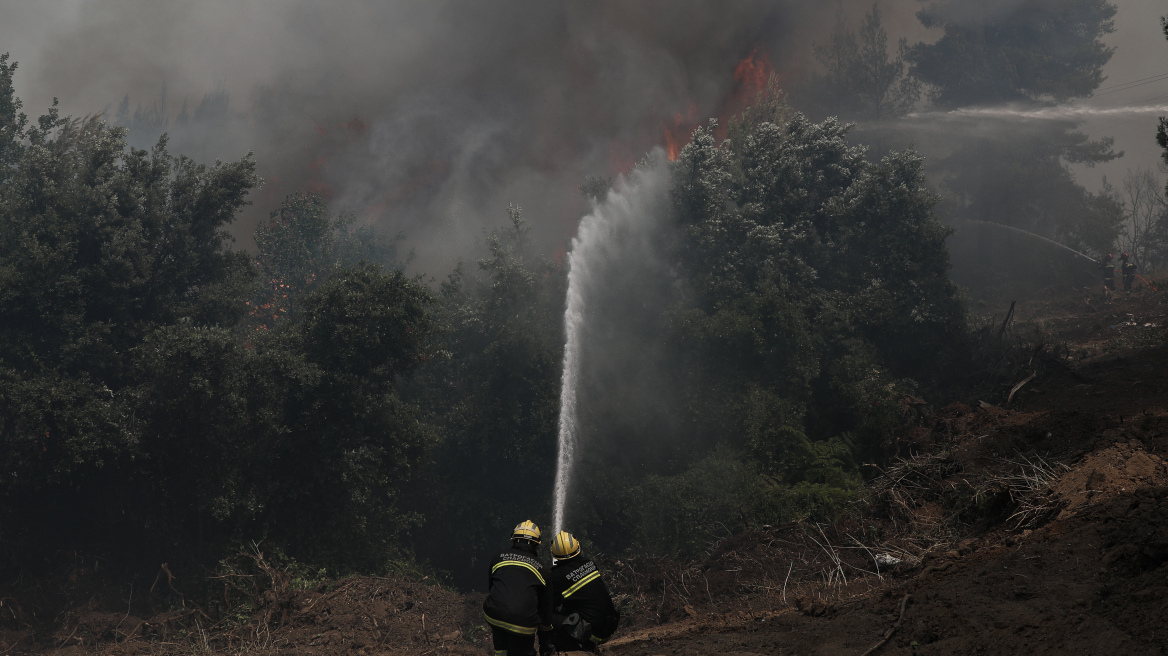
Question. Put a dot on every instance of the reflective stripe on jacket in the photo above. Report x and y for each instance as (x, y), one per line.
(577, 587)
(517, 597)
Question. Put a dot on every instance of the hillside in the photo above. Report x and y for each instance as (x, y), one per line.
(1040, 529)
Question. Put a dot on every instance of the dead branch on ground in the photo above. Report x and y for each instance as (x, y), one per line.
(888, 634)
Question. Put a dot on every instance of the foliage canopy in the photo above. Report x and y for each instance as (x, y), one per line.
(993, 52)
(137, 412)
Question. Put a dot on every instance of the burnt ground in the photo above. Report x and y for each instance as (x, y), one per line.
(1034, 526)
(1037, 529)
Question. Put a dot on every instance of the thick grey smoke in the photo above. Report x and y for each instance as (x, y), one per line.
(974, 13)
(430, 117)
(427, 117)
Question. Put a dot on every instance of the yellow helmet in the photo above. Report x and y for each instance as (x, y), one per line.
(565, 546)
(526, 531)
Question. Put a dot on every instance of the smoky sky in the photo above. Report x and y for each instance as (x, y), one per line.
(428, 118)
(961, 13)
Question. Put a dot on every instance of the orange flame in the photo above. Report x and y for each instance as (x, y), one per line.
(677, 135)
(751, 76)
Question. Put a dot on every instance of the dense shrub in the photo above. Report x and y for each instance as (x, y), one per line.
(137, 418)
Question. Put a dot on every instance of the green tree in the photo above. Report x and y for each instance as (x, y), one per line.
(1159, 235)
(298, 247)
(811, 257)
(294, 250)
(101, 247)
(1162, 130)
(352, 445)
(815, 292)
(494, 395)
(861, 81)
(1031, 50)
(12, 121)
(136, 419)
(301, 439)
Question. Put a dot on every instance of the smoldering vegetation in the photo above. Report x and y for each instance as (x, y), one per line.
(780, 290)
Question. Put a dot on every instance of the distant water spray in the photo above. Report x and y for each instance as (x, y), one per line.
(1050, 241)
(1030, 234)
(1065, 112)
(619, 229)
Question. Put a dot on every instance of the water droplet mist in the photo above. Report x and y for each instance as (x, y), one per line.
(621, 229)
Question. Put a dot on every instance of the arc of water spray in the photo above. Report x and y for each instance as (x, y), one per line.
(573, 324)
(1031, 234)
(1062, 112)
(1051, 241)
(620, 229)
(587, 247)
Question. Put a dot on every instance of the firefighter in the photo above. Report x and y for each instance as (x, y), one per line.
(1128, 269)
(1108, 272)
(582, 610)
(518, 603)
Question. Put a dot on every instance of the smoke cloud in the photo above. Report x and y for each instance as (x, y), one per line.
(429, 118)
(425, 117)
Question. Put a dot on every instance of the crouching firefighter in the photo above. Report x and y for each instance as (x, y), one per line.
(583, 614)
(518, 602)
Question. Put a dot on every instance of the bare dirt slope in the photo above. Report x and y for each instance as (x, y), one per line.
(1041, 527)
(1059, 546)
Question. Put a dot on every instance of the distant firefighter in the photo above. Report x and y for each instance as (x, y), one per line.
(1108, 271)
(582, 610)
(1129, 272)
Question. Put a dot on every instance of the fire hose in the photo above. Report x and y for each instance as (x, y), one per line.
(1146, 282)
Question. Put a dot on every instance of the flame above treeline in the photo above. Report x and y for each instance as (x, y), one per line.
(750, 78)
(427, 118)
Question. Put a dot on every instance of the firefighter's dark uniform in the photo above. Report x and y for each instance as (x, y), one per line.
(517, 603)
(1129, 275)
(577, 587)
(1108, 274)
